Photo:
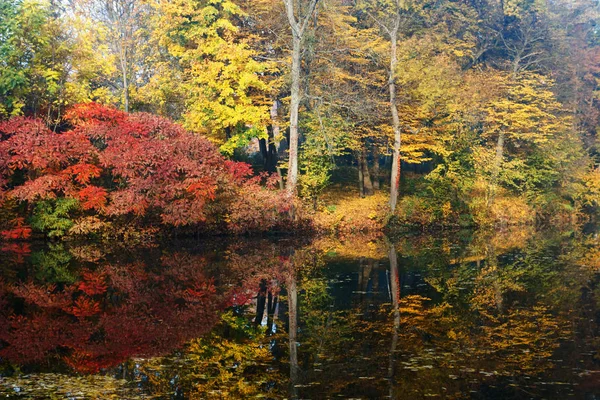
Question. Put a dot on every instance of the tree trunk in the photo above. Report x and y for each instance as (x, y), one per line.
(276, 139)
(292, 178)
(268, 152)
(368, 184)
(297, 34)
(376, 168)
(496, 168)
(395, 179)
(125, 80)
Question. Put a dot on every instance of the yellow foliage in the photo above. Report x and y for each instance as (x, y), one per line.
(526, 110)
(224, 87)
(346, 213)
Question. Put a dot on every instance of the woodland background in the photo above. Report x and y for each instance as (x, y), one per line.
(368, 113)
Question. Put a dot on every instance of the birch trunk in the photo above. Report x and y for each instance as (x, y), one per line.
(395, 180)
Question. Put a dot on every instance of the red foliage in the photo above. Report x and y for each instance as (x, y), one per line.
(118, 164)
(19, 230)
(84, 307)
(93, 112)
(238, 170)
(93, 284)
(83, 172)
(92, 197)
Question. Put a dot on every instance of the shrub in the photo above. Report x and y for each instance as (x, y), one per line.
(130, 168)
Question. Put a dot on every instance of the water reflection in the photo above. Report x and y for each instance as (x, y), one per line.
(461, 315)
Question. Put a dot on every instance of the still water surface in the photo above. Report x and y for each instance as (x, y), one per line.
(463, 315)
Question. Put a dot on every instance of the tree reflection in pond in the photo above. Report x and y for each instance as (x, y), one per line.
(466, 315)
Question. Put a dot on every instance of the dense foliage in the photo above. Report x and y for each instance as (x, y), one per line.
(110, 166)
(467, 112)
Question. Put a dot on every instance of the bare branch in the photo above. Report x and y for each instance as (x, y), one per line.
(381, 24)
(311, 10)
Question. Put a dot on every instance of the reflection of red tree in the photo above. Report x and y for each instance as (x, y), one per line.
(122, 310)
(111, 314)
(17, 250)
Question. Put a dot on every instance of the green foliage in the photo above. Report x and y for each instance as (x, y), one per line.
(20, 38)
(327, 137)
(52, 266)
(241, 140)
(53, 217)
(47, 60)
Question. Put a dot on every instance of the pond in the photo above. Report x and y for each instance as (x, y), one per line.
(457, 315)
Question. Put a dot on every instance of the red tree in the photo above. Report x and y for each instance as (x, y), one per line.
(118, 164)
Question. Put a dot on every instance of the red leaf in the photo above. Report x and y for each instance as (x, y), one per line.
(92, 197)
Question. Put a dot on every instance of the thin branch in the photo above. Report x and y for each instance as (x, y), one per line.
(381, 24)
(311, 10)
(289, 7)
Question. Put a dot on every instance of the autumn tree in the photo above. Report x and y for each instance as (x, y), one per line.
(120, 24)
(208, 70)
(388, 15)
(48, 61)
(298, 19)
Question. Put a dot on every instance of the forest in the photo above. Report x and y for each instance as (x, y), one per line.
(129, 118)
(293, 199)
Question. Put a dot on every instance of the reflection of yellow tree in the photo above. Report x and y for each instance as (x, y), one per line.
(494, 319)
(230, 363)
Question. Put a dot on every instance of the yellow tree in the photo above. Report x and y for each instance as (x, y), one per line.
(224, 86)
(343, 106)
(526, 115)
(121, 22)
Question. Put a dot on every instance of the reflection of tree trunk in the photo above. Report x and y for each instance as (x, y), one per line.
(261, 300)
(364, 276)
(395, 294)
(293, 332)
(492, 264)
(271, 307)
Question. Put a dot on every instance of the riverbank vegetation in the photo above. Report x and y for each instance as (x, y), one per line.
(125, 119)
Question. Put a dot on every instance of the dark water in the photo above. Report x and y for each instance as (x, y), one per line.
(463, 315)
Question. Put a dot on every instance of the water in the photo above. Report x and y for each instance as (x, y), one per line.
(461, 315)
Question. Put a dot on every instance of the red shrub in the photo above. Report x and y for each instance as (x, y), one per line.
(117, 164)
